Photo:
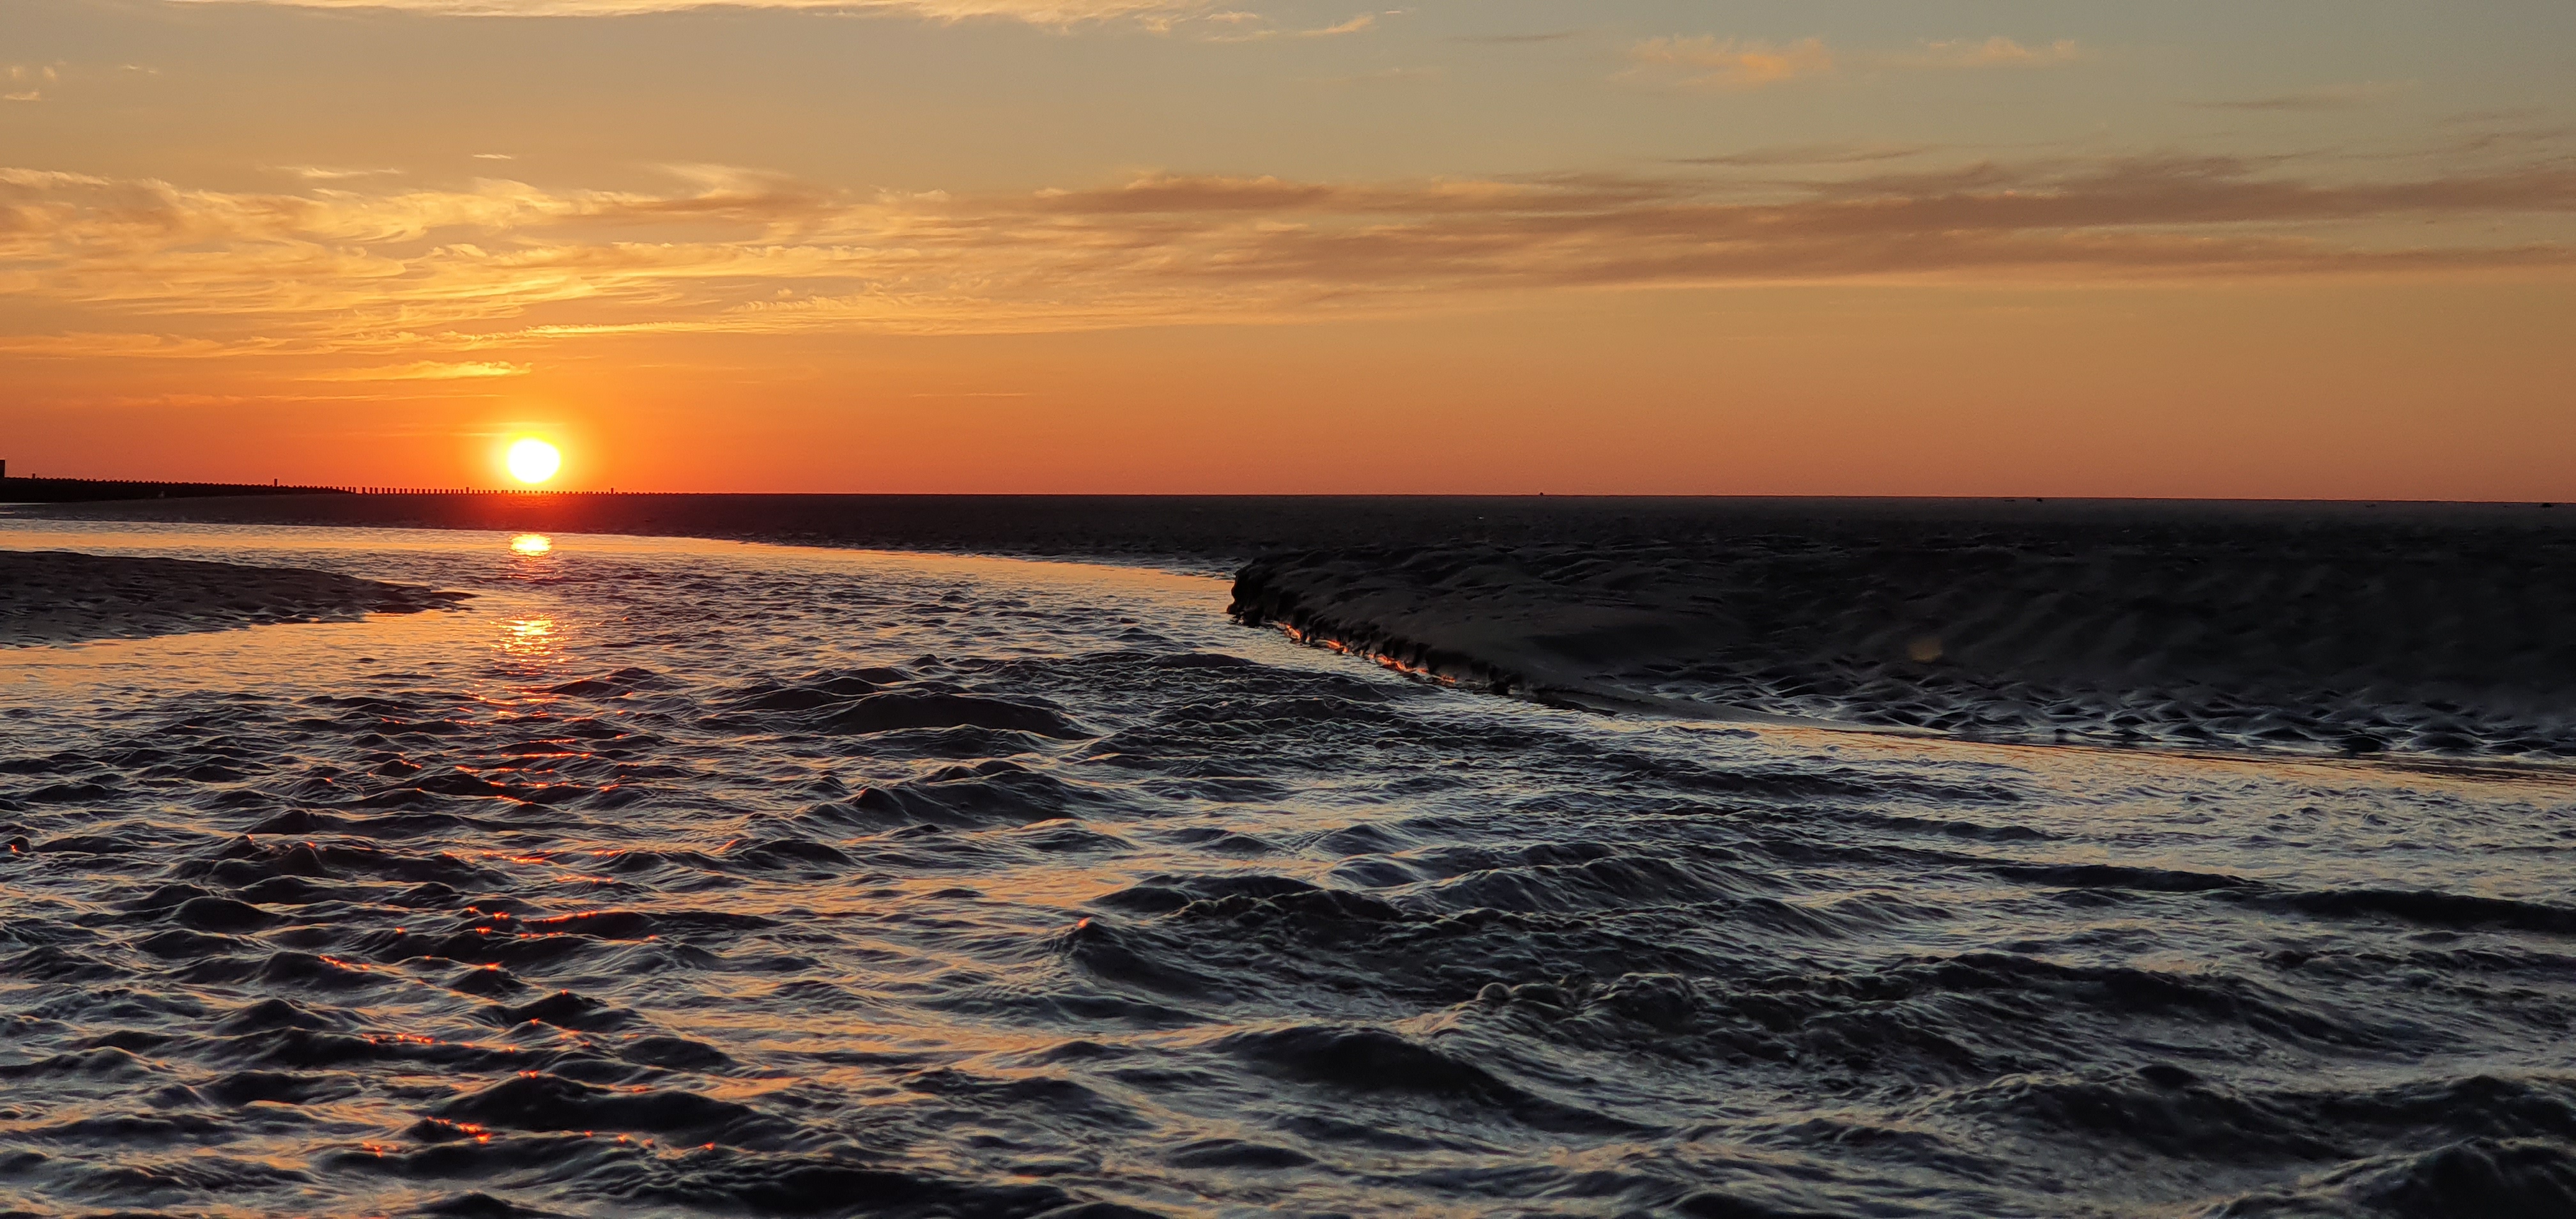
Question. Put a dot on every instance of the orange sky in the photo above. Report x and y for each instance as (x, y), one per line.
(1129, 245)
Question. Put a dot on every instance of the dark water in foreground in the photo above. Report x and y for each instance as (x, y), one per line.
(689, 878)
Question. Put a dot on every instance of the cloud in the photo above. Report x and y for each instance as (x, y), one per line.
(432, 370)
(33, 76)
(1390, 76)
(1040, 12)
(2328, 97)
(1995, 52)
(1517, 39)
(1709, 62)
(320, 173)
(450, 283)
(2509, 114)
(1352, 26)
(1252, 27)
(1812, 154)
(1733, 65)
(86, 344)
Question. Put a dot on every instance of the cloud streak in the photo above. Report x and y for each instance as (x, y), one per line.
(1811, 154)
(1731, 64)
(1250, 27)
(432, 370)
(1734, 65)
(422, 277)
(1041, 12)
(27, 82)
(2329, 97)
(1995, 52)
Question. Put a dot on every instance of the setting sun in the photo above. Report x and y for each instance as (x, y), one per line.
(534, 461)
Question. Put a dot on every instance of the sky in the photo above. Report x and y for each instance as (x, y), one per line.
(2271, 249)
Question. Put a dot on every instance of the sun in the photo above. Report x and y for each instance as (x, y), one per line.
(533, 460)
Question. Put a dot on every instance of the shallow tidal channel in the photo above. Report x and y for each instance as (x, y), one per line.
(680, 877)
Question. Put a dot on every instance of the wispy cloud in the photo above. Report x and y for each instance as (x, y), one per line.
(431, 370)
(1389, 76)
(1042, 12)
(325, 173)
(2506, 115)
(1811, 154)
(27, 82)
(440, 284)
(81, 344)
(1251, 27)
(1709, 62)
(1997, 52)
(2327, 97)
(1517, 39)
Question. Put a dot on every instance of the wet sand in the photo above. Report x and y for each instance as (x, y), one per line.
(2445, 641)
(50, 597)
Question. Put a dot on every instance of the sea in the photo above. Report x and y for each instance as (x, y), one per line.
(674, 877)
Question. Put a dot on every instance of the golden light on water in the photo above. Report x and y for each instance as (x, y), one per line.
(532, 544)
(529, 639)
(533, 461)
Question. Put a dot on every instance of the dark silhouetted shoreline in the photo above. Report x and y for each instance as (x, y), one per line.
(1222, 532)
(114, 490)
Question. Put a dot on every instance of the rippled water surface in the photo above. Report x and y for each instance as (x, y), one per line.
(684, 878)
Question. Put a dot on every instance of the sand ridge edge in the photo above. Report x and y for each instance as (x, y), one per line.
(62, 597)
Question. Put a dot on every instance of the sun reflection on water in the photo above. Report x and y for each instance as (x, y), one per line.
(532, 544)
(532, 639)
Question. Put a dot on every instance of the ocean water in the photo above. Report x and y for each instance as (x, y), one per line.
(684, 878)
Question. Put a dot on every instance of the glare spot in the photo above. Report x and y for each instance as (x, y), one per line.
(532, 544)
(530, 639)
(533, 460)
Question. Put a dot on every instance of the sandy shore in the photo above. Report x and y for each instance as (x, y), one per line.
(54, 596)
